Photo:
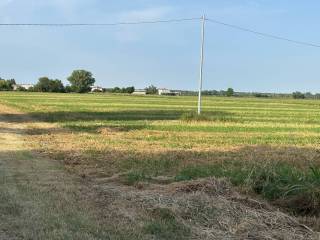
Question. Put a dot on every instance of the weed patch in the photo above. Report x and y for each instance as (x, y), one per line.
(165, 226)
(285, 185)
(135, 177)
(213, 116)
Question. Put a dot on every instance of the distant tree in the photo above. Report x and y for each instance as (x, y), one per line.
(210, 92)
(116, 90)
(317, 96)
(11, 83)
(123, 90)
(298, 95)
(3, 85)
(32, 89)
(261, 95)
(128, 90)
(68, 89)
(309, 95)
(81, 81)
(151, 90)
(229, 92)
(56, 86)
(49, 85)
(7, 85)
(21, 89)
(43, 85)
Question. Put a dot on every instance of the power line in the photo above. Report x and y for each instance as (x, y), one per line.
(95, 24)
(240, 28)
(263, 34)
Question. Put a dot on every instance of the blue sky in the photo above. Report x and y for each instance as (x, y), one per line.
(166, 55)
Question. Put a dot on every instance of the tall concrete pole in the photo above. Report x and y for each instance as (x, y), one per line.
(201, 62)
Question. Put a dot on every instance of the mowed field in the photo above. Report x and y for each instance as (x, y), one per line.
(233, 121)
(266, 147)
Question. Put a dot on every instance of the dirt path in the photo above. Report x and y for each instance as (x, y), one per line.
(40, 200)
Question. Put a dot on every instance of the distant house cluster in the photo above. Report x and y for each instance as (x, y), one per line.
(23, 86)
(159, 91)
(168, 92)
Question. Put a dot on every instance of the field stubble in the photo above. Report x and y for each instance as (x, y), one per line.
(268, 148)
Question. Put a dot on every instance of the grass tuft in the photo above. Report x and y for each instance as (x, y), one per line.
(189, 117)
(134, 177)
(205, 117)
(165, 226)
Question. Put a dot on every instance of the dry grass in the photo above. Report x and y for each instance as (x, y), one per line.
(109, 147)
(207, 209)
(39, 200)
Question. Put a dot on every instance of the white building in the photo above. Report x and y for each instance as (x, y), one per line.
(164, 91)
(140, 92)
(96, 89)
(25, 86)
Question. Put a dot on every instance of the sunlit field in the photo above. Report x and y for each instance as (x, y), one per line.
(231, 122)
(268, 147)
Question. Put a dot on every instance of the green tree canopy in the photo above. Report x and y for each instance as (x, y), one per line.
(152, 90)
(49, 85)
(56, 86)
(43, 85)
(7, 85)
(230, 92)
(123, 90)
(298, 95)
(81, 81)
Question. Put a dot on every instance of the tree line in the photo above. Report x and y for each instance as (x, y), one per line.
(81, 81)
(230, 92)
(149, 90)
(223, 93)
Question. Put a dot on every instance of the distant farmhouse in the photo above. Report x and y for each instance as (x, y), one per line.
(96, 89)
(165, 91)
(25, 86)
(140, 92)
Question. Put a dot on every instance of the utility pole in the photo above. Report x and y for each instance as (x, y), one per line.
(201, 61)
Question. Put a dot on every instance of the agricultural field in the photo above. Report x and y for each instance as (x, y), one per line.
(267, 149)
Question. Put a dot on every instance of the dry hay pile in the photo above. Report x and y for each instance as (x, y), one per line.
(209, 209)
